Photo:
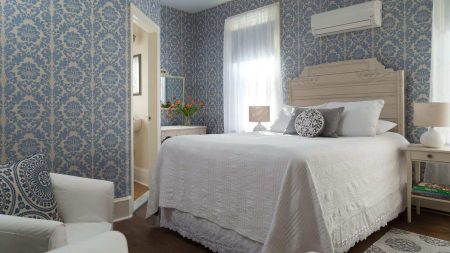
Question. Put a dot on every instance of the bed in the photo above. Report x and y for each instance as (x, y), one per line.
(268, 192)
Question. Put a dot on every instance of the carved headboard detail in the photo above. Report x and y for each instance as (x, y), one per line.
(354, 80)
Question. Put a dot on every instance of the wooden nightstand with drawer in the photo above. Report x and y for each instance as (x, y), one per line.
(415, 154)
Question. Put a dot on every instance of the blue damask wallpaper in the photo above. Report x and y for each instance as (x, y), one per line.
(64, 70)
(177, 46)
(64, 85)
(404, 42)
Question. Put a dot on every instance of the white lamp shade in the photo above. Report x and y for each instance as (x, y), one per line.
(432, 114)
(259, 113)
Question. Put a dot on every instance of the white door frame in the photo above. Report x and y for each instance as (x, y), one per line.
(154, 120)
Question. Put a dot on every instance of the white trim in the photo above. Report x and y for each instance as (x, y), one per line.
(141, 176)
(256, 10)
(123, 208)
(123, 218)
(138, 17)
(153, 29)
(141, 201)
(130, 56)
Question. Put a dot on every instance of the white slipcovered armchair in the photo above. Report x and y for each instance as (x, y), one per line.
(85, 205)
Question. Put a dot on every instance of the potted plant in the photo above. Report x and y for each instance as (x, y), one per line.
(186, 109)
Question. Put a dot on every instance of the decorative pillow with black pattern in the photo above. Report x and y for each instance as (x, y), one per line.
(332, 119)
(310, 123)
(26, 189)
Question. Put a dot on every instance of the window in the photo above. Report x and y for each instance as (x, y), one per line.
(440, 78)
(440, 64)
(251, 66)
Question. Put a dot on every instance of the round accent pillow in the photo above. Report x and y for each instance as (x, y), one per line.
(26, 189)
(310, 123)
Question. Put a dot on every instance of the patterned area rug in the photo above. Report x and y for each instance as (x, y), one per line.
(397, 240)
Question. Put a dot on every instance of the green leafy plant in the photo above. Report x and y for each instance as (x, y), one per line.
(186, 109)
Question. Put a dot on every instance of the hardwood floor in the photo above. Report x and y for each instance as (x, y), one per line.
(429, 223)
(143, 238)
(139, 190)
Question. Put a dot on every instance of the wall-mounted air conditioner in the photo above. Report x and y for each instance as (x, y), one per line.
(356, 17)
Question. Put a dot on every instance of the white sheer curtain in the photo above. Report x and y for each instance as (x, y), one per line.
(440, 77)
(252, 75)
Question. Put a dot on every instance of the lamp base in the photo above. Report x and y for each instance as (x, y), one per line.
(259, 127)
(432, 139)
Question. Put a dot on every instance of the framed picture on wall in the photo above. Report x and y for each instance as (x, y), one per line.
(136, 76)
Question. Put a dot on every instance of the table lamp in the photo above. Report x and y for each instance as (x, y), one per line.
(259, 114)
(432, 115)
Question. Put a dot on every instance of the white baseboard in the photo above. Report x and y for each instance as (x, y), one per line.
(141, 176)
(123, 208)
(140, 201)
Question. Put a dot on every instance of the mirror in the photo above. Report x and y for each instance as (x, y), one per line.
(136, 76)
(172, 86)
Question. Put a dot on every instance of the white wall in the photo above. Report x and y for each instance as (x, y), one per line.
(140, 103)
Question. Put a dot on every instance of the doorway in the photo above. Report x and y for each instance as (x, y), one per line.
(145, 104)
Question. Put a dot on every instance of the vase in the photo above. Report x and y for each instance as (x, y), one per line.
(187, 121)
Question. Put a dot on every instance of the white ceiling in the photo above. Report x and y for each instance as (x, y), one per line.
(192, 6)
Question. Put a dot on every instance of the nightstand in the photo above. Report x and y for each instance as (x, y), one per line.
(172, 131)
(415, 154)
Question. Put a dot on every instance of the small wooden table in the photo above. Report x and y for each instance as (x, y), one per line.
(415, 154)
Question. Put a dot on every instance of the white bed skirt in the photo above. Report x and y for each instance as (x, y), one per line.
(207, 233)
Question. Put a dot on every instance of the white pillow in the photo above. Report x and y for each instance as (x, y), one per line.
(282, 121)
(384, 126)
(359, 118)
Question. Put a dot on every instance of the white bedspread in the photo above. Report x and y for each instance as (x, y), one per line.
(291, 193)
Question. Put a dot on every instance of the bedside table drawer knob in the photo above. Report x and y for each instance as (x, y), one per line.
(430, 156)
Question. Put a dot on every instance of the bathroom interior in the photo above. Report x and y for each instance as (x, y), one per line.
(172, 90)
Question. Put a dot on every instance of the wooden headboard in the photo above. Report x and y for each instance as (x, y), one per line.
(354, 80)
